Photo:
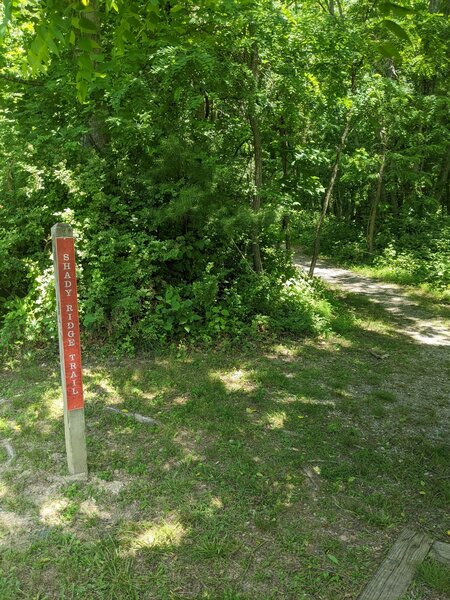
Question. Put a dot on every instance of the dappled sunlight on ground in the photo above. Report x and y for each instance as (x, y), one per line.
(52, 401)
(13, 526)
(289, 399)
(170, 532)
(236, 379)
(51, 511)
(262, 465)
(216, 502)
(192, 447)
(275, 420)
(96, 385)
(90, 509)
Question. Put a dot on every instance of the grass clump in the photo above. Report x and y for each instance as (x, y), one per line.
(435, 576)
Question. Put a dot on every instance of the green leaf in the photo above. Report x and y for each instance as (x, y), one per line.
(7, 11)
(52, 46)
(86, 25)
(397, 10)
(333, 559)
(88, 44)
(85, 62)
(111, 4)
(82, 91)
(396, 29)
(388, 50)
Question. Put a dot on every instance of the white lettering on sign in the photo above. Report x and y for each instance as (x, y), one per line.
(69, 322)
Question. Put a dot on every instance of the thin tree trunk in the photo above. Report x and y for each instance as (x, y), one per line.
(328, 192)
(284, 148)
(394, 203)
(97, 136)
(442, 184)
(337, 206)
(256, 201)
(377, 197)
(284, 155)
(433, 6)
(257, 153)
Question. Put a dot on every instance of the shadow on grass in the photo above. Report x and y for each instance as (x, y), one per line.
(279, 472)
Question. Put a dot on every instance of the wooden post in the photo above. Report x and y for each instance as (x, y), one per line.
(69, 347)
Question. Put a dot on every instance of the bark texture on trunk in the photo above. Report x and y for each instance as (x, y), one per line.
(284, 156)
(443, 184)
(328, 193)
(377, 196)
(256, 201)
(257, 153)
(97, 136)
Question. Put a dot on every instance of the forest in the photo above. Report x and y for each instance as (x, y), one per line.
(194, 145)
(256, 404)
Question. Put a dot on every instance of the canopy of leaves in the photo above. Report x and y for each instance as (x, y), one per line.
(143, 124)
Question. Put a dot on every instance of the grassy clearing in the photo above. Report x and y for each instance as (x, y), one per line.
(283, 471)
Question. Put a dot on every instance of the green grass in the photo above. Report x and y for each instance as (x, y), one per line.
(280, 471)
(435, 576)
(432, 582)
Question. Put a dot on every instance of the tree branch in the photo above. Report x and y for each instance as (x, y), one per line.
(20, 80)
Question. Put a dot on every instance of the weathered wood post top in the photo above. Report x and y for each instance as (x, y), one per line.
(69, 346)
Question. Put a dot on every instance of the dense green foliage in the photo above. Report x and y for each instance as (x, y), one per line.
(186, 142)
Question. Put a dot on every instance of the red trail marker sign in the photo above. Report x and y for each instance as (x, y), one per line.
(69, 346)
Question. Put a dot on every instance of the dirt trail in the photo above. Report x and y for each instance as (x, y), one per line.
(411, 318)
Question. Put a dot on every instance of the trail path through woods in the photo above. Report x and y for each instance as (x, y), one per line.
(411, 319)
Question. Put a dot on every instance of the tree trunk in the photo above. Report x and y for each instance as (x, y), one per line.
(433, 6)
(328, 192)
(394, 203)
(377, 197)
(284, 155)
(442, 184)
(284, 148)
(257, 152)
(256, 201)
(97, 136)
